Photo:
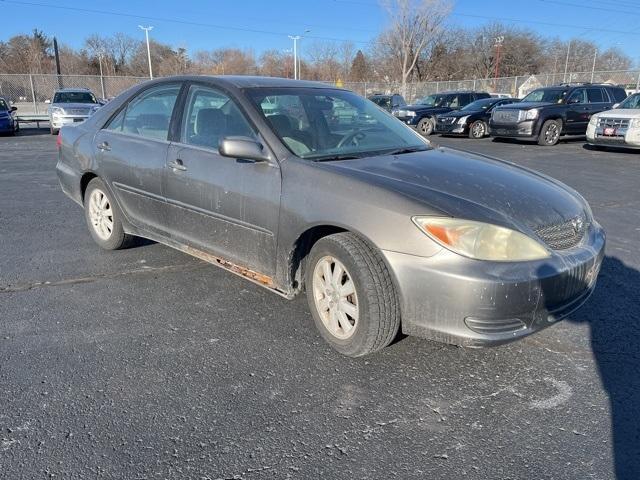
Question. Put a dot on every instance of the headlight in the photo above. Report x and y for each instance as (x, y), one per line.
(635, 123)
(531, 114)
(404, 113)
(593, 120)
(57, 111)
(463, 120)
(481, 241)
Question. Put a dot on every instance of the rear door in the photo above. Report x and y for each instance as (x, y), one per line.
(598, 100)
(132, 152)
(228, 207)
(578, 112)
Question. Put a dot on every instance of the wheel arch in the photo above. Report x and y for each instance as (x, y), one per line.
(84, 182)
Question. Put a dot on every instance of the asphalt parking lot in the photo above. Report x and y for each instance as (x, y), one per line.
(147, 363)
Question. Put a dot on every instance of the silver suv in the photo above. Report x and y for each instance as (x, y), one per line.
(71, 105)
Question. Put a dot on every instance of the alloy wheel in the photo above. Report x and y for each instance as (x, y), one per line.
(101, 214)
(551, 134)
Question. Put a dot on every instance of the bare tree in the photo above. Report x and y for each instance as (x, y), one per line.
(414, 27)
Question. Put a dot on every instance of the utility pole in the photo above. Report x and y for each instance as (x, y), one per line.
(498, 44)
(146, 34)
(566, 63)
(56, 53)
(295, 39)
(593, 67)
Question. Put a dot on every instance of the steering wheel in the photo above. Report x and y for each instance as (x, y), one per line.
(354, 136)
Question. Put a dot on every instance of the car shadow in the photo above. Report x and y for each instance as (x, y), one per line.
(613, 315)
(31, 131)
(518, 141)
(604, 148)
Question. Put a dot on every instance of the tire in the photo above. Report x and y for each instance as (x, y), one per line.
(98, 217)
(425, 127)
(550, 133)
(478, 129)
(377, 312)
(53, 131)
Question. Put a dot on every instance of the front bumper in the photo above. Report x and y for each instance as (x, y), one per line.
(453, 299)
(451, 128)
(622, 137)
(59, 121)
(524, 129)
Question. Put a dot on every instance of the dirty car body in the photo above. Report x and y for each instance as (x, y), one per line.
(259, 215)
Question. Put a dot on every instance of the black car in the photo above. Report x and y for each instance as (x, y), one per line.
(388, 102)
(547, 113)
(8, 120)
(472, 120)
(422, 114)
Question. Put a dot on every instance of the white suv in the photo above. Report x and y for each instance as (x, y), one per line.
(71, 105)
(619, 127)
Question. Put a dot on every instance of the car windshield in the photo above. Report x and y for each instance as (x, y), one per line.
(329, 124)
(435, 100)
(3, 105)
(632, 101)
(548, 95)
(383, 102)
(74, 97)
(482, 104)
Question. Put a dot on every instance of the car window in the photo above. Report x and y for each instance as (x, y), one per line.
(554, 95)
(482, 104)
(596, 95)
(3, 104)
(74, 97)
(618, 94)
(322, 124)
(384, 102)
(465, 99)
(453, 101)
(210, 116)
(631, 102)
(399, 101)
(148, 114)
(578, 96)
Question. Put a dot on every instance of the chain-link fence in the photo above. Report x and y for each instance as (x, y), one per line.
(31, 92)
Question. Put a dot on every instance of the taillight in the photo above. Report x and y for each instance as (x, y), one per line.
(59, 141)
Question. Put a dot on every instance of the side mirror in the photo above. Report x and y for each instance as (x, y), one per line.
(47, 101)
(13, 109)
(242, 147)
(615, 105)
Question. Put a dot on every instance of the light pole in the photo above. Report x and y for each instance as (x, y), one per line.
(295, 39)
(498, 44)
(593, 67)
(146, 34)
(566, 63)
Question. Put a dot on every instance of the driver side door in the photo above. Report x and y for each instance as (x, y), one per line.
(577, 112)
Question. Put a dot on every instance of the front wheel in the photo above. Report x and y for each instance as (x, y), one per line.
(478, 129)
(103, 217)
(425, 127)
(53, 131)
(550, 133)
(351, 295)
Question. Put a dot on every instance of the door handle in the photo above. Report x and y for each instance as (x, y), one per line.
(177, 165)
(104, 147)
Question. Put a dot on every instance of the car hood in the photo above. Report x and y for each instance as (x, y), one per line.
(525, 105)
(465, 185)
(75, 106)
(620, 113)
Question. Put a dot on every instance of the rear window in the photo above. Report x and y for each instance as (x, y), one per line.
(383, 102)
(596, 95)
(618, 94)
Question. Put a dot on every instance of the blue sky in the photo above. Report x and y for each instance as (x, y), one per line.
(260, 25)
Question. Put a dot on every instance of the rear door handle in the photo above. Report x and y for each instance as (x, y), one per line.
(177, 165)
(104, 147)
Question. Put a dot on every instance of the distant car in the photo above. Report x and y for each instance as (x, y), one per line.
(500, 95)
(422, 115)
(472, 119)
(71, 105)
(381, 231)
(388, 102)
(547, 113)
(619, 127)
(8, 120)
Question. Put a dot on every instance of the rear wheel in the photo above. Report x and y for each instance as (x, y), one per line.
(550, 133)
(103, 217)
(425, 127)
(478, 129)
(351, 295)
(53, 131)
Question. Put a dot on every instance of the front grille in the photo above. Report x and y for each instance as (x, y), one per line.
(77, 111)
(560, 236)
(506, 116)
(446, 120)
(613, 122)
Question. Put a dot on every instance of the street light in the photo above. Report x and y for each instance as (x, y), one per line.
(146, 34)
(593, 67)
(295, 39)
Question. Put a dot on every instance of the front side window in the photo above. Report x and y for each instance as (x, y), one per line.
(546, 95)
(210, 115)
(578, 96)
(148, 114)
(74, 97)
(436, 100)
(632, 102)
(384, 102)
(328, 124)
(596, 95)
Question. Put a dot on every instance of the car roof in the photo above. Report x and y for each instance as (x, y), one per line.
(78, 89)
(249, 81)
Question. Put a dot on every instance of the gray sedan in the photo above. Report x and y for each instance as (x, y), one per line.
(262, 177)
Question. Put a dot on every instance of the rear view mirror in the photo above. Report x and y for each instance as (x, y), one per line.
(242, 147)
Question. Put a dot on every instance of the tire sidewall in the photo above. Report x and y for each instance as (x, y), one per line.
(117, 237)
(355, 343)
(484, 131)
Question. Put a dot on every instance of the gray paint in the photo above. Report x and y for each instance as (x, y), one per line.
(253, 214)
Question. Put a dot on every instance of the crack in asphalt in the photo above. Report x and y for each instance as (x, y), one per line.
(92, 278)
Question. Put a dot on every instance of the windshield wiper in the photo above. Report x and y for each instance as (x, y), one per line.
(401, 151)
(343, 156)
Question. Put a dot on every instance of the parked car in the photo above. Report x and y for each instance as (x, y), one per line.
(472, 119)
(422, 114)
(388, 102)
(500, 95)
(382, 231)
(8, 120)
(71, 105)
(547, 113)
(619, 127)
